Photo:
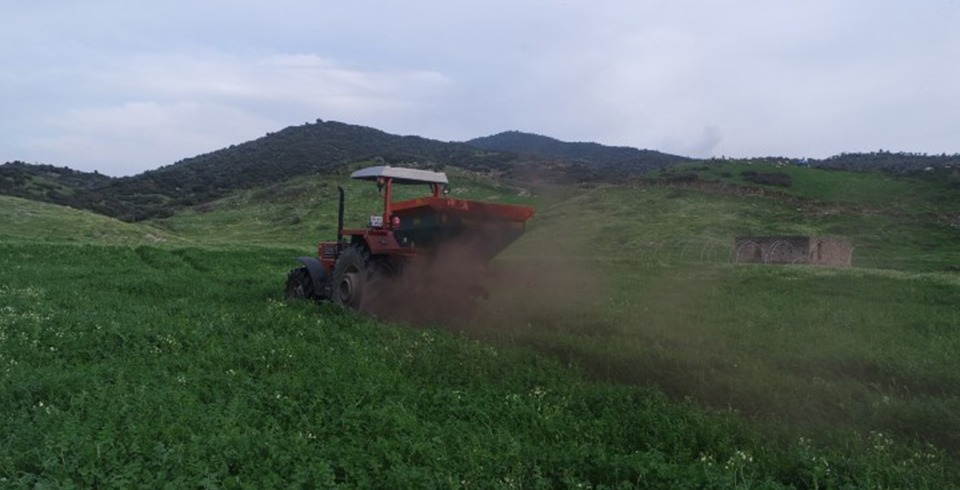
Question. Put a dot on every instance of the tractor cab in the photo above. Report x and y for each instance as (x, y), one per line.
(385, 176)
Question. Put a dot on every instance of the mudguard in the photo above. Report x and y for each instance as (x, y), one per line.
(319, 276)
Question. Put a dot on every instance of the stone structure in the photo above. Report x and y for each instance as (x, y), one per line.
(835, 252)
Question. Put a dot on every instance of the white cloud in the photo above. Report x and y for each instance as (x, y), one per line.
(174, 107)
(142, 135)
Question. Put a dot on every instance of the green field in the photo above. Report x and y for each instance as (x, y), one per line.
(620, 348)
(22, 220)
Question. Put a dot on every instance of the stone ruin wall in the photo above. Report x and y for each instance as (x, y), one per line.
(829, 251)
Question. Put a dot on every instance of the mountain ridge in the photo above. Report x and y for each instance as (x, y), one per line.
(319, 147)
(332, 146)
(622, 159)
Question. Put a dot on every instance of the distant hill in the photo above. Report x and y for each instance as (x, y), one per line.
(322, 147)
(621, 159)
(329, 147)
(46, 182)
(895, 162)
(885, 160)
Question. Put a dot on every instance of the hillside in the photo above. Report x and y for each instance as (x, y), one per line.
(327, 147)
(621, 159)
(322, 147)
(892, 162)
(886, 160)
(23, 220)
(58, 185)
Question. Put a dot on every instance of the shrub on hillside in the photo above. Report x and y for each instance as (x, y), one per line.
(772, 178)
(686, 177)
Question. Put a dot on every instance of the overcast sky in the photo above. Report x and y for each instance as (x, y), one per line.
(123, 86)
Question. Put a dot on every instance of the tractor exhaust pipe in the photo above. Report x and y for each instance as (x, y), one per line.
(340, 221)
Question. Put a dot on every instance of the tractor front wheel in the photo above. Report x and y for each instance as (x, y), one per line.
(300, 284)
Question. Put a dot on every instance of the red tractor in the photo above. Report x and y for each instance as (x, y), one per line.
(408, 235)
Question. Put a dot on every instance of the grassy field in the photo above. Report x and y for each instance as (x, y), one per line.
(619, 349)
(149, 367)
(820, 348)
(906, 223)
(22, 220)
(876, 188)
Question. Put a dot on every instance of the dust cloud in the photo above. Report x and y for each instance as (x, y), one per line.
(459, 288)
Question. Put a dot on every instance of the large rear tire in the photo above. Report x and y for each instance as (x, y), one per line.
(300, 284)
(354, 277)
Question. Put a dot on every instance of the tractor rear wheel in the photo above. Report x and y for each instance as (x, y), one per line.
(300, 284)
(354, 275)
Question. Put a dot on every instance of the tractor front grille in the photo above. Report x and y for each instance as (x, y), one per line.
(328, 250)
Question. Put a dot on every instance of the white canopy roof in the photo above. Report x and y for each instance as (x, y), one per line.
(401, 175)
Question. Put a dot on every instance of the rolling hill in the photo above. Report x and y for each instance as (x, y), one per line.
(620, 159)
(321, 147)
(24, 220)
(328, 147)
(47, 183)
